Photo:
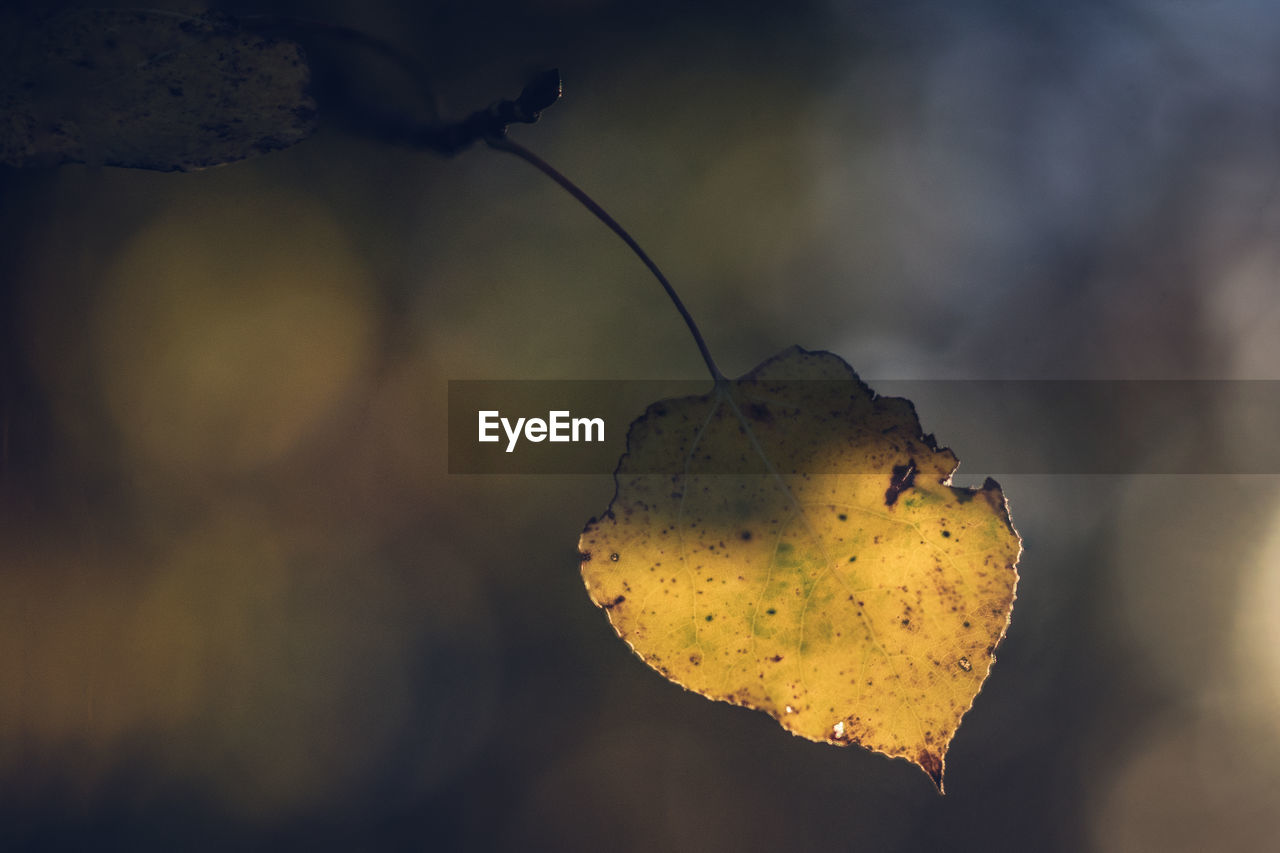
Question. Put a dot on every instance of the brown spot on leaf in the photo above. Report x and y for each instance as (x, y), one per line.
(902, 479)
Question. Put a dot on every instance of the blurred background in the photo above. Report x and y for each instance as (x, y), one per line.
(243, 605)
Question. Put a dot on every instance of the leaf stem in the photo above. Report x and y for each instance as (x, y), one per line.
(504, 143)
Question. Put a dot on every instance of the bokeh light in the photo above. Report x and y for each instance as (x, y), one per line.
(225, 330)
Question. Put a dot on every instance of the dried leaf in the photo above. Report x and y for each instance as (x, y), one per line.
(150, 90)
(805, 554)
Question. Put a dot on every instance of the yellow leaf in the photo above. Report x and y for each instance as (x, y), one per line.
(794, 546)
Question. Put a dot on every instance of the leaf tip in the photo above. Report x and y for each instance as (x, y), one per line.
(932, 765)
